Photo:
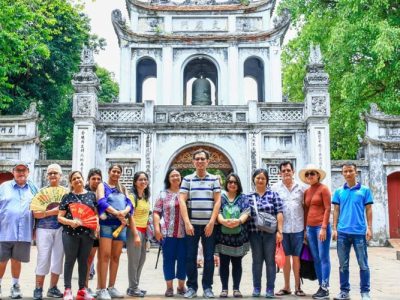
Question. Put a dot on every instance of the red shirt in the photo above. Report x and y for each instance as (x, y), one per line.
(317, 205)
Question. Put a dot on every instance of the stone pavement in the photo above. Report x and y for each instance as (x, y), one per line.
(385, 277)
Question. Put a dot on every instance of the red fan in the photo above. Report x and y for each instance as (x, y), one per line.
(84, 214)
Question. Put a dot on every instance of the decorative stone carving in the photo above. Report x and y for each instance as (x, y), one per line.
(31, 111)
(315, 57)
(149, 138)
(253, 150)
(285, 115)
(128, 170)
(201, 117)
(282, 19)
(84, 106)
(86, 79)
(124, 144)
(247, 24)
(193, 24)
(128, 116)
(272, 166)
(318, 105)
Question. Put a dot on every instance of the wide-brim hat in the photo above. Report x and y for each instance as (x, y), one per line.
(311, 167)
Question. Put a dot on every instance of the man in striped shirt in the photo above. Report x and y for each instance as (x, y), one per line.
(200, 201)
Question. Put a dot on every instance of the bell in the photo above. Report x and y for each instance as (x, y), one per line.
(201, 92)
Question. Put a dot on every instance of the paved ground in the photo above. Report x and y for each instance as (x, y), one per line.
(385, 277)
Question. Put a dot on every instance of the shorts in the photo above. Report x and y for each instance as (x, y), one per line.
(293, 243)
(17, 250)
(106, 231)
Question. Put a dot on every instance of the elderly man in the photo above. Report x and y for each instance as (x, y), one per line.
(202, 192)
(16, 224)
(292, 195)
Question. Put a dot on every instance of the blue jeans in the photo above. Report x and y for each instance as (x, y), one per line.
(320, 253)
(263, 250)
(174, 253)
(344, 243)
(192, 244)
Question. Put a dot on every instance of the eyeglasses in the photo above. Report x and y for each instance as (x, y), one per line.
(52, 173)
(307, 174)
(200, 158)
(20, 170)
(232, 182)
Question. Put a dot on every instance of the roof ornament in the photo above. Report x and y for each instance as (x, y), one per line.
(315, 57)
(282, 19)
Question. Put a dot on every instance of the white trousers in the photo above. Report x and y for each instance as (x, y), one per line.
(50, 251)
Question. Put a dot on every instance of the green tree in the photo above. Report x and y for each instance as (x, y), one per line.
(109, 88)
(360, 42)
(40, 46)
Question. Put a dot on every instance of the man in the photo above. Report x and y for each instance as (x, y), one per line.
(292, 195)
(16, 224)
(49, 238)
(202, 193)
(350, 228)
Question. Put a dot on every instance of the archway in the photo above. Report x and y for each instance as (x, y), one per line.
(146, 68)
(219, 162)
(254, 68)
(393, 184)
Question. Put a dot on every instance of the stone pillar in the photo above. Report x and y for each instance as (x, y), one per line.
(164, 96)
(233, 72)
(275, 71)
(126, 82)
(86, 85)
(317, 113)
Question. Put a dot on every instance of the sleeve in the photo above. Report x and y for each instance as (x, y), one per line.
(336, 197)
(278, 203)
(158, 205)
(217, 186)
(326, 198)
(368, 199)
(64, 202)
(185, 186)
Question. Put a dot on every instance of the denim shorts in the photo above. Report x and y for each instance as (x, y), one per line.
(293, 243)
(106, 231)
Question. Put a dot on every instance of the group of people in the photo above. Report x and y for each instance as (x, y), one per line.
(186, 212)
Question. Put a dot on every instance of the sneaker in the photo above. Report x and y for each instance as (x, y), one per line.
(365, 296)
(38, 294)
(90, 291)
(190, 293)
(181, 291)
(103, 295)
(54, 292)
(208, 293)
(269, 294)
(114, 293)
(342, 296)
(83, 294)
(134, 292)
(169, 292)
(68, 295)
(15, 292)
(321, 294)
(256, 292)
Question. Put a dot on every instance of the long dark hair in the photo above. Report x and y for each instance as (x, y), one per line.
(120, 187)
(239, 183)
(146, 194)
(167, 184)
(92, 172)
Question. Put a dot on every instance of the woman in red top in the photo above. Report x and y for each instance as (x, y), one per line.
(317, 209)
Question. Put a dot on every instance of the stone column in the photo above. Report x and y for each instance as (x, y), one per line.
(317, 113)
(275, 71)
(233, 69)
(86, 85)
(164, 96)
(126, 82)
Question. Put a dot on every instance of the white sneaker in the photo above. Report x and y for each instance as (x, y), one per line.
(103, 295)
(114, 293)
(15, 292)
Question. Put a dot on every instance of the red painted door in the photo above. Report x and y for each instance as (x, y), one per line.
(393, 183)
(5, 176)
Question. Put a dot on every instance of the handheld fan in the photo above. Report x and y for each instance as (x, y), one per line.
(84, 214)
(48, 198)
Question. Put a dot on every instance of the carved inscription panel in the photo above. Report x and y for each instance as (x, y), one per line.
(184, 24)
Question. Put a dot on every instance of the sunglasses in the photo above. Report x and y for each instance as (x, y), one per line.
(307, 174)
(232, 182)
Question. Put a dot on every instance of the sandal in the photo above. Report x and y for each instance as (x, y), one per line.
(283, 292)
(299, 293)
(224, 294)
(169, 292)
(237, 294)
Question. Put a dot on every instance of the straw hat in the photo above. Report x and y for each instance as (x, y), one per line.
(311, 167)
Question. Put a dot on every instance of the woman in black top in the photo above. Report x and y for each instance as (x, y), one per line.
(77, 239)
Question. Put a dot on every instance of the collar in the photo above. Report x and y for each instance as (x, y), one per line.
(356, 187)
(14, 184)
(195, 175)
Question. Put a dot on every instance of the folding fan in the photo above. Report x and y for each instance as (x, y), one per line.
(48, 198)
(84, 214)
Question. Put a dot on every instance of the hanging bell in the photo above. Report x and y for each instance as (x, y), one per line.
(201, 92)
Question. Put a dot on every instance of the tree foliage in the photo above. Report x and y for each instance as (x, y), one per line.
(40, 46)
(360, 42)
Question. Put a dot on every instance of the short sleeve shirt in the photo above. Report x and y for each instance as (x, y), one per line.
(352, 202)
(88, 199)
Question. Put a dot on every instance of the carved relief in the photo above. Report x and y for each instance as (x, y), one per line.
(193, 24)
(272, 166)
(253, 150)
(150, 24)
(318, 105)
(126, 144)
(149, 138)
(282, 115)
(201, 117)
(248, 24)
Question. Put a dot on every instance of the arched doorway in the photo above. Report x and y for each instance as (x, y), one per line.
(219, 162)
(393, 184)
(5, 176)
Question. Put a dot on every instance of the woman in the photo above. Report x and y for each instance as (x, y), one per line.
(93, 180)
(172, 233)
(137, 256)
(114, 209)
(317, 209)
(262, 243)
(232, 241)
(49, 239)
(77, 239)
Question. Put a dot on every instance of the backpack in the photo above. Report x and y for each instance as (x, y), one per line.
(231, 211)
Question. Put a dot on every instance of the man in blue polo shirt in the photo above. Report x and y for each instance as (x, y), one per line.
(16, 223)
(352, 226)
(200, 201)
